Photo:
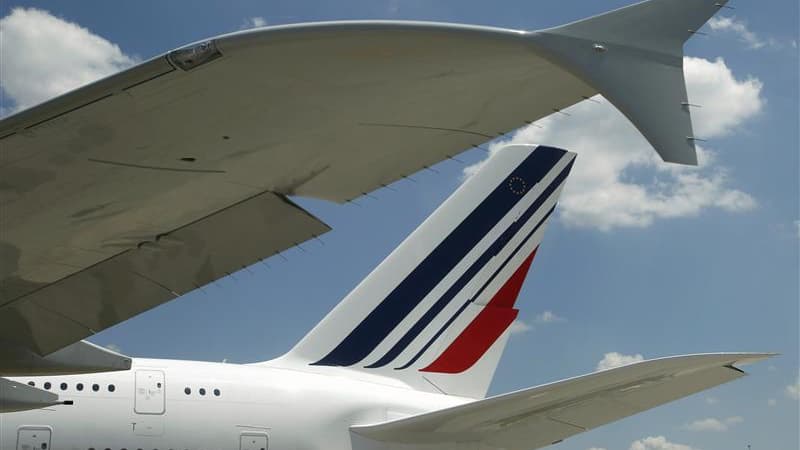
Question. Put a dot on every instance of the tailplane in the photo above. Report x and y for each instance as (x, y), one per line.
(436, 312)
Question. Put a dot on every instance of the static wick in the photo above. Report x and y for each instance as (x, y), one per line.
(366, 194)
(318, 239)
(409, 178)
(455, 159)
(697, 32)
(388, 187)
(723, 5)
(692, 138)
(431, 169)
(590, 99)
(561, 112)
(534, 124)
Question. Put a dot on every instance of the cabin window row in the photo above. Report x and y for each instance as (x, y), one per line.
(78, 386)
(202, 391)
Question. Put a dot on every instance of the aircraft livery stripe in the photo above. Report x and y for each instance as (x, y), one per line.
(496, 247)
(478, 337)
(412, 290)
(477, 294)
(484, 329)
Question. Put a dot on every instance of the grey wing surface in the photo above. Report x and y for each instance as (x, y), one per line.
(127, 192)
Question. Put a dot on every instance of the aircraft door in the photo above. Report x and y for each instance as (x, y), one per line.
(33, 438)
(253, 441)
(149, 392)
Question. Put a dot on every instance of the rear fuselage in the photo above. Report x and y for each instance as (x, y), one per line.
(166, 404)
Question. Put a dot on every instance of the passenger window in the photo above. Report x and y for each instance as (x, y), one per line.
(95, 387)
(31, 383)
(63, 386)
(111, 388)
(79, 386)
(187, 391)
(216, 392)
(47, 385)
(202, 391)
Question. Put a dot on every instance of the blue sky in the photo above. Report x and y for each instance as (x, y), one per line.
(643, 259)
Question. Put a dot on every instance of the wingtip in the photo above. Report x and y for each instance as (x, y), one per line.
(744, 359)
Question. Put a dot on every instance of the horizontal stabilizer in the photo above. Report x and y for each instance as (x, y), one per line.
(540, 416)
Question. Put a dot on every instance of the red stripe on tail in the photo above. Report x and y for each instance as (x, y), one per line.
(485, 329)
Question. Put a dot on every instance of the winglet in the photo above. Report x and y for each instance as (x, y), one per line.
(634, 57)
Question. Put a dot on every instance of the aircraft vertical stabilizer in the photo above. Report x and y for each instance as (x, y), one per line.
(436, 312)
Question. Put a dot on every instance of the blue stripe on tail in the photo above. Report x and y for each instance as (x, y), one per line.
(473, 270)
(441, 261)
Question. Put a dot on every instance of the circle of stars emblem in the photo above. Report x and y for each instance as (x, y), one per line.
(517, 185)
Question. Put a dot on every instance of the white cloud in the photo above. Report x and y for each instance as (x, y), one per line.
(596, 448)
(253, 22)
(712, 400)
(738, 28)
(793, 390)
(771, 402)
(614, 359)
(714, 424)
(44, 56)
(519, 327)
(657, 443)
(548, 317)
(619, 181)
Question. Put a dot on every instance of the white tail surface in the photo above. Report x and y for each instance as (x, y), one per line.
(436, 311)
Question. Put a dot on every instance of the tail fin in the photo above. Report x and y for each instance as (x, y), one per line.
(437, 310)
(634, 57)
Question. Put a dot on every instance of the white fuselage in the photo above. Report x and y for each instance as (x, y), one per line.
(167, 404)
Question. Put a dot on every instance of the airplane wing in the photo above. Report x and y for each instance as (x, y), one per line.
(140, 187)
(545, 415)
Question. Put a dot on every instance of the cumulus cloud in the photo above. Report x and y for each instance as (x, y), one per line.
(253, 22)
(548, 317)
(614, 359)
(44, 56)
(739, 29)
(619, 181)
(771, 402)
(519, 327)
(793, 390)
(714, 424)
(657, 443)
(712, 400)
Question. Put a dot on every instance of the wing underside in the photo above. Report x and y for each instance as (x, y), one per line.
(105, 190)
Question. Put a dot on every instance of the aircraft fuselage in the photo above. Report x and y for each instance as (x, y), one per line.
(185, 405)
